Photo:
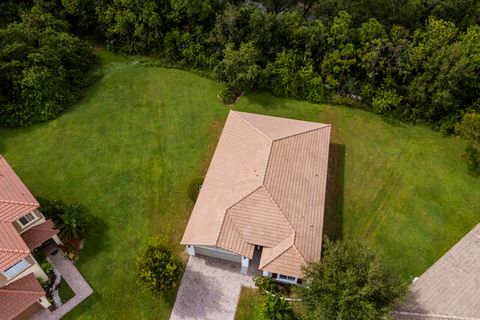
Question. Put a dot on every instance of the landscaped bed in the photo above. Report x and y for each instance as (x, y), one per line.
(131, 148)
(65, 292)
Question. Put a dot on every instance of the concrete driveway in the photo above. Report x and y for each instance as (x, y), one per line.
(209, 290)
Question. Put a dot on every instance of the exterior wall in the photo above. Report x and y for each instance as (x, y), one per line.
(218, 253)
(34, 267)
(29, 312)
(39, 218)
(275, 277)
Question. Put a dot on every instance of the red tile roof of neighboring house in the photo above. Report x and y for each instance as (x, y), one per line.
(15, 199)
(38, 234)
(265, 186)
(450, 289)
(18, 296)
(12, 246)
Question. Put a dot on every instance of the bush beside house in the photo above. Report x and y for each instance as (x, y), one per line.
(158, 268)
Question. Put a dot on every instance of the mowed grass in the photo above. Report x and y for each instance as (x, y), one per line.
(130, 148)
(403, 189)
(127, 152)
(249, 305)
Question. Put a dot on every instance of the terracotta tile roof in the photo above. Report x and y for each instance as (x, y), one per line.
(450, 289)
(265, 184)
(18, 296)
(15, 199)
(12, 246)
(38, 234)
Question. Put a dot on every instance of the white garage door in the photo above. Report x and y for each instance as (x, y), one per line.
(218, 253)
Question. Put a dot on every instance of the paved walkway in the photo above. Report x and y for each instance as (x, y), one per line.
(74, 279)
(209, 290)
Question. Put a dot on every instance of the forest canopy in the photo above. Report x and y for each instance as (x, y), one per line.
(417, 61)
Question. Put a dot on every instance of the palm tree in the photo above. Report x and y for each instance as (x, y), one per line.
(276, 308)
(73, 222)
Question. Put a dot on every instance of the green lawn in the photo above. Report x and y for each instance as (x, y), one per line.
(249, 305)
(66, 293)
(130, 148)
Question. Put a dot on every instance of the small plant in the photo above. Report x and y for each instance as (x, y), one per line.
(48, 268)
(264, 284)
(276, 308)
(194, 188)
(158, 268)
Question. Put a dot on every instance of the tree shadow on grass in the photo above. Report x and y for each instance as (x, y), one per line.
(394, 122)
(96, 240)
(266, 100)
(334, 202)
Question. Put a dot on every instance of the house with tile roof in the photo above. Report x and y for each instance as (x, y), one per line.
(263, 196)
(450, 289)
(23, 228)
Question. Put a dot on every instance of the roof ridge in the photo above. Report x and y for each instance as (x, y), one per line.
(279, 209)
(236, 113)
(230, 207)
(303, 132)
(241, 235)
(14, 250)
(20, 202)
(271, 259)
(298, 251)
(21, 291)
(429, 315)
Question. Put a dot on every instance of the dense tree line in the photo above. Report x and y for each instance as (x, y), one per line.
(43, 68)
(417, 61)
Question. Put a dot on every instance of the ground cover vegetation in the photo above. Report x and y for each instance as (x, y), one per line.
(416, 61)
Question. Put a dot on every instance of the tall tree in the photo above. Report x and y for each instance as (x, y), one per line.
(350, 282)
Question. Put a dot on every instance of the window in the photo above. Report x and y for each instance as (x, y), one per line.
(287, 278)
(16, 269)
(27, 218)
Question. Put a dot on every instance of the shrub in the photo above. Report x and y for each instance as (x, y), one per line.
(469, 129)
(472, 158)
(48, 268)
(264, 284)
(386, 101)
(157, 266)
(276, 308)
(229, 95)
(194, 188)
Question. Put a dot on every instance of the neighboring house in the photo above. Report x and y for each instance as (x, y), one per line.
(263, 195)
(450, 289)
(22, 229)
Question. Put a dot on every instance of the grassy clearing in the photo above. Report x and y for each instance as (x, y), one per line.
(129, 150)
